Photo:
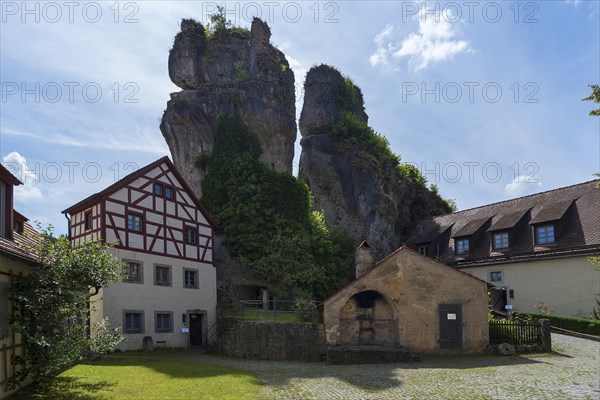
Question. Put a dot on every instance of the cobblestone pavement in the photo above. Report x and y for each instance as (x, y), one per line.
(571, 372)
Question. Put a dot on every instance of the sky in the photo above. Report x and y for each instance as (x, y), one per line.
(484, 97)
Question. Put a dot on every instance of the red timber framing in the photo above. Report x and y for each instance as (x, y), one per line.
(164, 220)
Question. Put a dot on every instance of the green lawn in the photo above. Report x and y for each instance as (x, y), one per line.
(147, 378)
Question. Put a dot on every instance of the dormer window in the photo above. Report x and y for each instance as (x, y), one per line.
(500, 240)
(17, 226)
(462, 246)
(544, 234)
(424, 250)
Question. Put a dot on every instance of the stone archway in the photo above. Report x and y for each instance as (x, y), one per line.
(367, 318)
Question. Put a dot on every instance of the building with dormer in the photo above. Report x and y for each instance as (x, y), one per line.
(164, 238)
(534, 249)
(17, 241)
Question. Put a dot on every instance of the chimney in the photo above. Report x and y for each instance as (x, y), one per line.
(363, 258)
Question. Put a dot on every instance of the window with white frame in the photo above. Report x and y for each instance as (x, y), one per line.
(496, 276)
(133, 272)
(190, 235)
(545, 234)
(500, 240)
(190, 278)
(133, 321)
(158, 189)
(163, 321)
(462, 246)
(134, 222)
(162, 275)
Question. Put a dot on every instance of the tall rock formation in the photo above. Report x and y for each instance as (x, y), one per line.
(370, 198)
(233, 71)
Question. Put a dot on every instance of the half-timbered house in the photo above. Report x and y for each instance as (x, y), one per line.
(17, 258)
(164, 238)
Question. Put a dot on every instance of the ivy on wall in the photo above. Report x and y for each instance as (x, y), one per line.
(266, 218)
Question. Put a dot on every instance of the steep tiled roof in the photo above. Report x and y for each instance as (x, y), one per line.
(23, 244)
(574, 209)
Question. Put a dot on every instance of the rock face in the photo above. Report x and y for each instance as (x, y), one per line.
(371, 200)
(233, 71)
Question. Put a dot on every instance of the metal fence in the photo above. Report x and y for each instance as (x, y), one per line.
(278, 310)
(519, 333)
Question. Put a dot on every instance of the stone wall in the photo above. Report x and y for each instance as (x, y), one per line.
(272, 341)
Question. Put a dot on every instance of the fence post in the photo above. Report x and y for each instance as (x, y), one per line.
(546, 337)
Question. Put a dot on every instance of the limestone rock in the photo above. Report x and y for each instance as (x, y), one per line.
(233, 71)
(368, 198)
(322, 109)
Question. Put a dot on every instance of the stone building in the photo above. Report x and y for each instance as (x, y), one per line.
(407, 303)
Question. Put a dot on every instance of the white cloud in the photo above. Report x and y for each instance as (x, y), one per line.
(436, 40)
(573, 2)
(17, 165)
(522, 186)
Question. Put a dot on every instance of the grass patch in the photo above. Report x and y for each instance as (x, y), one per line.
(138, 378)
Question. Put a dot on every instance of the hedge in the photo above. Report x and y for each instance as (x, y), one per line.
(581, 325)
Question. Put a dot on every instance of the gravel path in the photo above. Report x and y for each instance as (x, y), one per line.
(571, 372)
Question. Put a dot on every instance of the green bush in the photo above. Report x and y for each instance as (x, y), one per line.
(366, 138)
(581, 325)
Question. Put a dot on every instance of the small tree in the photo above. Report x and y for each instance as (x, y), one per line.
(52, 304)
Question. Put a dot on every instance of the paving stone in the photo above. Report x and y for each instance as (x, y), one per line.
(571, 372)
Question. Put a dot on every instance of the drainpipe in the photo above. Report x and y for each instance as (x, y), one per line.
(68, 225)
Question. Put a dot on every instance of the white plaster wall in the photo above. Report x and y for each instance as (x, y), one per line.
(569, 286)
(150, 298)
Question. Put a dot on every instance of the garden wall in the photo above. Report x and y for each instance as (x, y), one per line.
(272, 341)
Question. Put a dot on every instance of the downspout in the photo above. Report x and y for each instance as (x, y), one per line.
(68, 225)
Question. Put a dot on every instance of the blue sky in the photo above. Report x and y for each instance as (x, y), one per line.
(484, 97)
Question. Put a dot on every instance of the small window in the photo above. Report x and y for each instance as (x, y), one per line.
(17, 226)
(424, 250)
(158, 189)
(133, 321)
(544, 234)
(88, 220)
(169, 193)
(162, 275)
(134, 222)
(133, 272)
(496, 276)
(462, 246)
(190, 278)
(163, 322)
(190, 235)
(500, 240)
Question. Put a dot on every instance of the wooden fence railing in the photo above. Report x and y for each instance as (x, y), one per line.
(531, 334)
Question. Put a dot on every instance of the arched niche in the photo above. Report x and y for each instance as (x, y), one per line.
(368, 318)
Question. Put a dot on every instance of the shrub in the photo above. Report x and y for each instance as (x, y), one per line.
(581, 325)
